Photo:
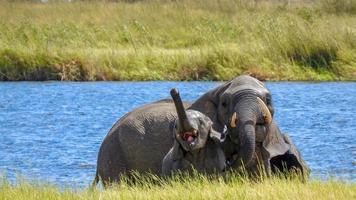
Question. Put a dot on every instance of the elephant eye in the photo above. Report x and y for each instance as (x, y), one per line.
(268, 99)
(224, 104)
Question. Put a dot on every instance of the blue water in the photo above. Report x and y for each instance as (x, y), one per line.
(52, 131)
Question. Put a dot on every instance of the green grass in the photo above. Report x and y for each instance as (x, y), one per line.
(191, 188)
(178, 40)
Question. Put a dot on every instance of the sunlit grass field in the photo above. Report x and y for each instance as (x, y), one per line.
(177, 40)
(191, 188)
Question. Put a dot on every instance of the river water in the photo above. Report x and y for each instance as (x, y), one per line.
(52, 131)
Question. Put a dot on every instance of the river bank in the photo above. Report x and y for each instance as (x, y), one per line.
(183, 40)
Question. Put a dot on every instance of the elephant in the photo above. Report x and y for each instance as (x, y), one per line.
(138, 141)
(196, 144)
(242, 109)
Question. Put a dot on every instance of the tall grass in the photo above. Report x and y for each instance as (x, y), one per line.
(177, 40)
(189, 188)
(339, 6)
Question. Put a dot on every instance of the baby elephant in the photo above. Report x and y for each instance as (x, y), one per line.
(196, 145)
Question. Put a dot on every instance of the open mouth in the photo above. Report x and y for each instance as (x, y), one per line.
(190, 136)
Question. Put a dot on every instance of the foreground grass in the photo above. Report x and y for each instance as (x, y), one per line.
(198, 188)
(178, 40)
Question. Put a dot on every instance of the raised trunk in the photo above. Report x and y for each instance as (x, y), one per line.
(182, 115)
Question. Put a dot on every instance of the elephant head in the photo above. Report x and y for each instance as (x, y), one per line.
(240, 106)
(193, 129)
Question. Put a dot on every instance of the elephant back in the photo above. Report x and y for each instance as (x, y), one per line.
(144, 135)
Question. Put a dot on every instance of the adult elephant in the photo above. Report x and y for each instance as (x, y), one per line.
(241, 107)
(138, 141)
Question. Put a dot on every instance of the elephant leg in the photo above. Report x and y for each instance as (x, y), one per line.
(111, 163)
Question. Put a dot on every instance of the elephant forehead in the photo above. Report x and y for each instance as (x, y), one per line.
(262, 91)
(194, 115)
(245, 79)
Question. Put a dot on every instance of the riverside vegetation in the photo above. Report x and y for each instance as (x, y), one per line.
(178, 40)
(189, 188)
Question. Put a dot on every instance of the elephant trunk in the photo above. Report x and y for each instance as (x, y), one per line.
(243, 122)
(182, 115)
(247, 144)
(248, 111)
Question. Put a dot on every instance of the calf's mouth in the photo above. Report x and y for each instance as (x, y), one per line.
(190, 137)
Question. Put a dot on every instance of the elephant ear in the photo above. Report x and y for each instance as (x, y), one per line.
(274, 142)
(173, 128)
(295, 156)
(208, 105)
(177, 151)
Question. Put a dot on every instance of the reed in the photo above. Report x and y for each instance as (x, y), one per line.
(177, 40)
(199, 187)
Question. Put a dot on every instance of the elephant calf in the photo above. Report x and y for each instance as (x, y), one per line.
(196, 145)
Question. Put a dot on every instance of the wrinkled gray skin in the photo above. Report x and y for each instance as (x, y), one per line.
(141, 138)
(203, 154)
(138, 141)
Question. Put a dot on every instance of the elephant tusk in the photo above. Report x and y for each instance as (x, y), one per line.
(233, 120)
(266, 114)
